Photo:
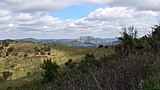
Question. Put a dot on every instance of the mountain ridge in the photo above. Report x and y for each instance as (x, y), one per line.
(82, 41)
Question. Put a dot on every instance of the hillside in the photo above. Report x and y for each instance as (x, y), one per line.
(21, 58)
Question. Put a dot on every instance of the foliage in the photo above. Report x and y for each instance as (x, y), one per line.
(106, 47)
(128, 38)
(6, 74)
(10, 49)
(100, 46)
(152, 83)
(89, 55)
(1, 47)
(5, 44)
(50, 70)
(70, 63)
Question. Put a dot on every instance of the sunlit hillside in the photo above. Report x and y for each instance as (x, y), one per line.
(26, 57)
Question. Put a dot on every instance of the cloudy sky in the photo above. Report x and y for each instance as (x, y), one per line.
(74, 18)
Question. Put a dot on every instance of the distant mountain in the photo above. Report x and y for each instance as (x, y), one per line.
(87, 39)
(27, 40)
(84, 41)
(7, 40)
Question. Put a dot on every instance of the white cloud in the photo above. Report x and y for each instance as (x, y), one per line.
(115, 13)
(24, 17)
(103, 22)
(30, 18)
(4, 13)
(54, 5)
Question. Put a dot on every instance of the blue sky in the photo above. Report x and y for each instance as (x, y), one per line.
(62, 19)
(76, 11)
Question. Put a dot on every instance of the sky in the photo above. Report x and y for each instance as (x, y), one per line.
(66, 19)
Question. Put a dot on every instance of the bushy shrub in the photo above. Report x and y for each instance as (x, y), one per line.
(49, 53)
(106, 47)
(42, 53)
(100, 46)
(37, 49)
(1, 47)
(10, 49)
(128, 38)
(152, 83)
(89, 55)
(70, 63)
(50, 70)
(5, 44)
(6, 74)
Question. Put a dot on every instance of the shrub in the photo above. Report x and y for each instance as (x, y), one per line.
(10, 49)
(100, 46)
(1, 47)
(28, 73)
(42, 53)
(7, 53)
(128, 38)
(70, 63)
(25, 55)
(89, 55)
(106, 47)
(152, 83)
(5, 44)
(50, 70)
(6, 74)
(47, 48)
(37, 49)
(49, 53)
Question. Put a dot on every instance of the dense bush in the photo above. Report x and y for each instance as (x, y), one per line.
(100, 46)
(70, 63)
(152, 83)
(6, 74)
(50, 70)
(10, 49)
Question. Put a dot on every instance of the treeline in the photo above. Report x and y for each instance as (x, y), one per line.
(134, 65)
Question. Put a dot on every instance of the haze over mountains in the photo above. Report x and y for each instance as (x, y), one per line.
(84, 41)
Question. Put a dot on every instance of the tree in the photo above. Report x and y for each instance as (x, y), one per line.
(50, 70)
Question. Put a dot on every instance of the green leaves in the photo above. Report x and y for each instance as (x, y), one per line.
(50, 70)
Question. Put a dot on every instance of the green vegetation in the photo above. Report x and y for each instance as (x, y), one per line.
(132, 65)
(51, 69)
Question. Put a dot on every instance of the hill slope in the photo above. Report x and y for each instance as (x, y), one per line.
(22, 58)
